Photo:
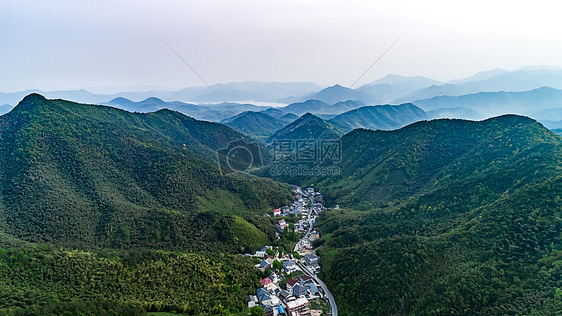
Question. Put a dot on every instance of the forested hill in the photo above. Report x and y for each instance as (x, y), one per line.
(106, 177)
(384, 165)
(308, 126)
(459, 218)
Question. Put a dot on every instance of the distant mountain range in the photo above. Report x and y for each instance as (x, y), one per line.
(525, 91)
(321, 107)
(384, 117)
(494, 103)
(207, 112)
(337, 93)
(378, 117)
(284, 92)
(492, 81)
(392, 87)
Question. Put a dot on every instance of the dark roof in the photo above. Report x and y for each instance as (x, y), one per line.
(263, 295)
(284, 294)
(306, 278)
(292, 281)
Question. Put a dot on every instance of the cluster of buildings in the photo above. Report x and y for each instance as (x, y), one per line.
(293, 300)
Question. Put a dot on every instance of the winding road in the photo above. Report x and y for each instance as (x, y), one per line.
(333, 306)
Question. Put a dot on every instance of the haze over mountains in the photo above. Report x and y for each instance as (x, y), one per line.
(526, 91)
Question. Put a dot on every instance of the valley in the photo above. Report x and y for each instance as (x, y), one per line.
(154, 211)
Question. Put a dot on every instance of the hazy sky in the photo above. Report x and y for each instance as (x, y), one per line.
(53, 45)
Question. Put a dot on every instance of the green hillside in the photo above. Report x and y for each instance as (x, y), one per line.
(459, 218)
(307, 126)
(101, 176)
(379, 166)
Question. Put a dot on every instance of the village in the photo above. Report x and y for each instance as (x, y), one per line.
(293, 288)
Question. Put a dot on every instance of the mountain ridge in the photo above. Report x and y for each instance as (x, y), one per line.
(107, 177)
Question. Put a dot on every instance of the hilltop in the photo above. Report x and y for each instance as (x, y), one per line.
(254, 123)
(308, 126)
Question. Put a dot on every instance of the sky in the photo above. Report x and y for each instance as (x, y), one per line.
(104, 46)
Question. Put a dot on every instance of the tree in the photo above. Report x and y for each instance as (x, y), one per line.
(257, 311)
(270, 252)
(277, 265)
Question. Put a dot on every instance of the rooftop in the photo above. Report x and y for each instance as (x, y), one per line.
(297, 303)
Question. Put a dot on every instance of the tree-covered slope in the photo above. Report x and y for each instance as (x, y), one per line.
(308, 126)
(105, 177)
(384, 165)
(469, 223)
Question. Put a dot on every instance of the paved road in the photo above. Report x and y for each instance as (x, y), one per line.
(333, 307)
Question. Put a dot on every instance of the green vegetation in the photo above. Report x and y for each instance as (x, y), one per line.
(257, 311)
(254, 124)
(147, 189)
(307, 126)
(104, 177)
(470, 224)
(49, 279)
(93, 308)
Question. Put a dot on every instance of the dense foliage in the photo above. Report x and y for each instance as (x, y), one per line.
(470, 227)
(50, 281)
(106, 177)
(307, 126)
(254, 123)
(92, 177)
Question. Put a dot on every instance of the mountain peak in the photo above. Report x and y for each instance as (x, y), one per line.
(154, 100)
(120, 100)
(30, 102)
(308, 115)
(33, 97)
